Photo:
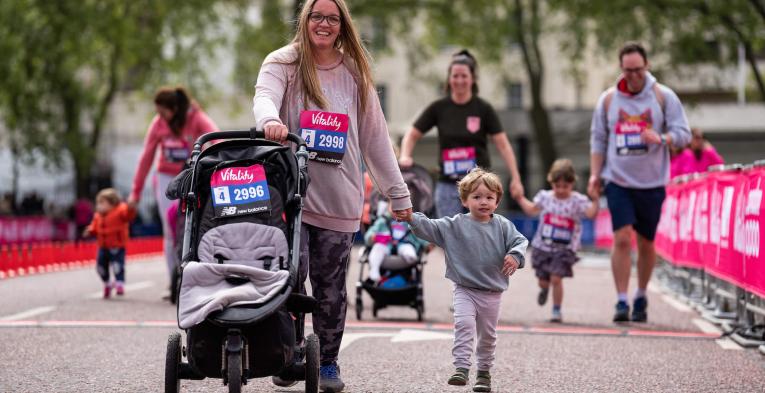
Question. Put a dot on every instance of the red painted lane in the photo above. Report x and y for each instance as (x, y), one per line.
(562, 330)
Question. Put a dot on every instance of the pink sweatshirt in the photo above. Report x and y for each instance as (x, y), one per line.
(173, 150)
(686, 161)
(336, 194)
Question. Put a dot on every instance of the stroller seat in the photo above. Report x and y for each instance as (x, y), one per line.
(396, 262)
(241, 276)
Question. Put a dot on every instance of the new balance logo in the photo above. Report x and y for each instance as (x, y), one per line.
(227, 211)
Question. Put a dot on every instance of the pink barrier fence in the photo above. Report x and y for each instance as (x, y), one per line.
(713, 222)
(31, 258)
(19, 230)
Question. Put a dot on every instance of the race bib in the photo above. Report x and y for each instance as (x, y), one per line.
(399, 230)
(629, 130)
(458, 161)
(175, 150)
(238, 191)
(325, 134)
(557, 229)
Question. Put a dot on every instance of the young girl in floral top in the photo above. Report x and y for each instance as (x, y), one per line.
(559, 232)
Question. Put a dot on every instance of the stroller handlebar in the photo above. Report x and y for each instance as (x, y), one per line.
(243, 134)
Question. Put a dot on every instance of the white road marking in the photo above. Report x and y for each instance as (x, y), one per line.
(706, 327)
(349, 338)
(128, 288)
(726, 343)
(406, 335)
(676, 304)
(28, 313)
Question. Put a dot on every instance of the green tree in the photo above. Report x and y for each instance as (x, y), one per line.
(65, 62)
(689, 32)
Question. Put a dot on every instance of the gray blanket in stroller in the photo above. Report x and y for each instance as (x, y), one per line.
(251, 254)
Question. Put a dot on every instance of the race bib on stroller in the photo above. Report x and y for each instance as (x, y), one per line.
(325, 134)
(238, 191)
(557, 229)
(458, 161)
(175, 150)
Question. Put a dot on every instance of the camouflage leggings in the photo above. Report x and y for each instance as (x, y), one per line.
(328, 252)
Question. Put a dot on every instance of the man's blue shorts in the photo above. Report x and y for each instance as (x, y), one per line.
(640, 208)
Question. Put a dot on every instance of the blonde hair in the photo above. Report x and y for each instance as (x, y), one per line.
(475, 178)
(109, 195)
(562, 169)
(348, 41)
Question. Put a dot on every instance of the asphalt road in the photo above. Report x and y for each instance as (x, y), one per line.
(58, 335)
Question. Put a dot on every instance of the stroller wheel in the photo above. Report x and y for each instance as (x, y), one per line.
(234, 372)
(420, 312)
(172, 363)
(359, 308)
(312, 364)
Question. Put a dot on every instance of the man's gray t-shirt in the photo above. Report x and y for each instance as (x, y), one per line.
(475, 251)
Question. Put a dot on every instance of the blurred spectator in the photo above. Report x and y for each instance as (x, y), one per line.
(675, 163)
(697, 157)
(82, 213)
(7, 205)
(32, 204)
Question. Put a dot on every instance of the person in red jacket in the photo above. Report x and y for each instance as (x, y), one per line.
(110, 226)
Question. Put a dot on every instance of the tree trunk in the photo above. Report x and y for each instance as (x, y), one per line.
(14, 172)
(528, 36)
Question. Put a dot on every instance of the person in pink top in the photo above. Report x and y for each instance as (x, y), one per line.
(697, 157)
(178, 123)
(321, 87)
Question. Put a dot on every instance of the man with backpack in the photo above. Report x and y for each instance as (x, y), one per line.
(633, 125)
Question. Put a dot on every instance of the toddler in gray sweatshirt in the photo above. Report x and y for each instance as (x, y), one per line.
(482, 250)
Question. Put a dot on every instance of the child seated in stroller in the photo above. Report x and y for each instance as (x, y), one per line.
(389, 237)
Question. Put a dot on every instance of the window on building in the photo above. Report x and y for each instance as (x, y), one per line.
(514, 95)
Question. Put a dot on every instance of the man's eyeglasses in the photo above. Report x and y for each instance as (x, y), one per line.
(332, 20)
(633, 70)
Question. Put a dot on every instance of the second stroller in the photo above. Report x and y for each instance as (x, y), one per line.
(395, 256)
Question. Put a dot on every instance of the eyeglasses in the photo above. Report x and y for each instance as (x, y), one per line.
(633, 70)
(332, 20)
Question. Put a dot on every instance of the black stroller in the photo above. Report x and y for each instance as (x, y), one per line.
(237, 296)
(420, 185)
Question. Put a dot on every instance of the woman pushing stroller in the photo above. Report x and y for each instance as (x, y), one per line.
(321, 86)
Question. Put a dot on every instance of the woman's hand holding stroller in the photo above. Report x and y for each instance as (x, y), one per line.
(510, 265)
(275, 131)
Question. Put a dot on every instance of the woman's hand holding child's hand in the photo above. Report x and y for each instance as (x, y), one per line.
(510, 266)
(403, 215)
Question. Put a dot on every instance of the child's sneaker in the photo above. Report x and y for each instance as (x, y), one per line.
(556, 316)
(459, 378)
(542, 297)
(107, 291)
(120, 288)
(482, 382)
